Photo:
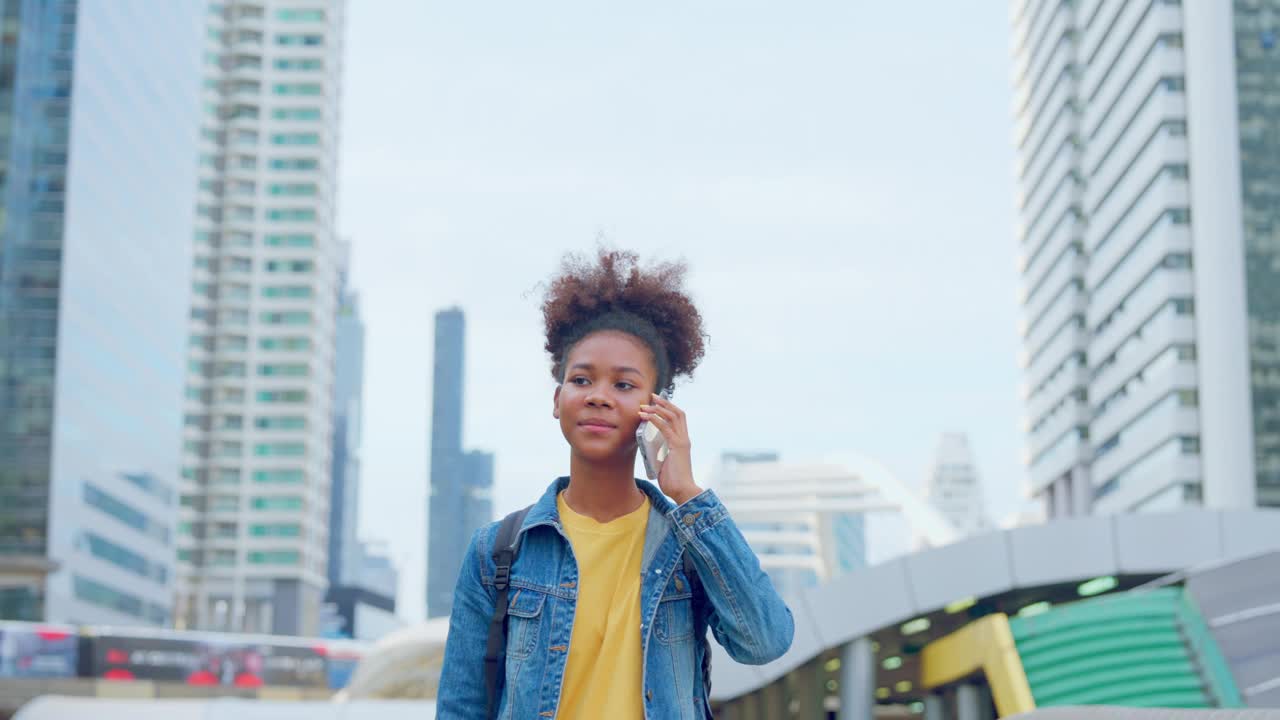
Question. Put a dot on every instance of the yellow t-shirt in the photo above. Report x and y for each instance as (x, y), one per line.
(603, 672)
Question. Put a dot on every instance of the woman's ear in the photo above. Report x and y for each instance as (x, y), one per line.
(555, 404)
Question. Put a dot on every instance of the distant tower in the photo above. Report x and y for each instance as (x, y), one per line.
(954, 488)
(348, 391)
(461, 481)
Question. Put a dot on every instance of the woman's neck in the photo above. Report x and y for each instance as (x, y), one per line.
(602, 492)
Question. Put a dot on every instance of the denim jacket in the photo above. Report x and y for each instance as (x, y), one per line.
(744, 612)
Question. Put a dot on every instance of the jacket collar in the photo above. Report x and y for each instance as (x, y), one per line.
(545, 512)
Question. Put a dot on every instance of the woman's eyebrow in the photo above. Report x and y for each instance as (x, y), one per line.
(616, 368)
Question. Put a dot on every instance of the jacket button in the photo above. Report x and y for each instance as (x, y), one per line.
(689, 519)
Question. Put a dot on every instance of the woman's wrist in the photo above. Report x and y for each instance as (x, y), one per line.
(685, 494)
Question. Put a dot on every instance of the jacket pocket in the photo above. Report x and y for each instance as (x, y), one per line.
(674, 621)
(524, 621)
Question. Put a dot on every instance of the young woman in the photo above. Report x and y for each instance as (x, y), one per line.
(603, 621)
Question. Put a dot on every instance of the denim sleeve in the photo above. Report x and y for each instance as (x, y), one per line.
(748, 617)
(461, 694)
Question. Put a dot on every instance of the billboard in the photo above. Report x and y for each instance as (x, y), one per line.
(30, 650)
(208, 660)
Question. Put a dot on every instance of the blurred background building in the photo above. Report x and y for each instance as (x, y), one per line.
(253, 542)
(344, 506)
(808, 522)
(954, 487)
(90, 359)
(461, 482)
(364, 606)
(1147, 148)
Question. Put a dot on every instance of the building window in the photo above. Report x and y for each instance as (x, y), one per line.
(123, 557)
(280, 422)
(300, 15)
(101, 500)
(300, 40)
(287, 291)
(291, 214)
(299, 64)
(284, 343)
(227, 503)
(277, 502)
(294, 163)
(274, 557)
(282, 477)
(276, 530)
(96, 593)
(295, 240)
(297, 113)
(298, 89)
(284, 370)
(290, 266)
(294, 189)
(282, 396)
(294, 317)
(304, 138)
(283, 449)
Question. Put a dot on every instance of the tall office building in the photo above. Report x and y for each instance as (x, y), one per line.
(348, 391)
(461, 482)
(253, 542)
(1148, 147)
(98, 128)
(954, 487)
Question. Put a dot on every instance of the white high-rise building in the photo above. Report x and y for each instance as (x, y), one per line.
(1148, 147)
(954, 486)
(253, 538)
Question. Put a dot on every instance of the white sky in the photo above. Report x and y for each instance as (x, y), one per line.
(838, 175)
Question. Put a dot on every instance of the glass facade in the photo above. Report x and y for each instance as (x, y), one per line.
(35, 112)
(1257, 31)
(94, 264)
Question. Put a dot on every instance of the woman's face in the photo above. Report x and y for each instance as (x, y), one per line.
(608, 375)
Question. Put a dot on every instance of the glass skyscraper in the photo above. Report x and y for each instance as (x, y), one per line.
(98, 128)
(1147, 139)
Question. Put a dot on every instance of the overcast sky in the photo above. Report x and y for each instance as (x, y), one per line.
(838, 175)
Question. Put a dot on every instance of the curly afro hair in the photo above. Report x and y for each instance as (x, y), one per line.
(613, 292)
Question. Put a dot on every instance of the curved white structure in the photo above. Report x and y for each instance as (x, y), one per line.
(405, 664)
(856, 605)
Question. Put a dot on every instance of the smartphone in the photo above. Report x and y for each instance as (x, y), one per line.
(653, 447)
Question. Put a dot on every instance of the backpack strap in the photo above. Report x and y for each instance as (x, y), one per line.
(699, 605)
(505, 548)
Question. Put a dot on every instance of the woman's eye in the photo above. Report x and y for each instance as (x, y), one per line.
(579, 380)
(624, 386)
